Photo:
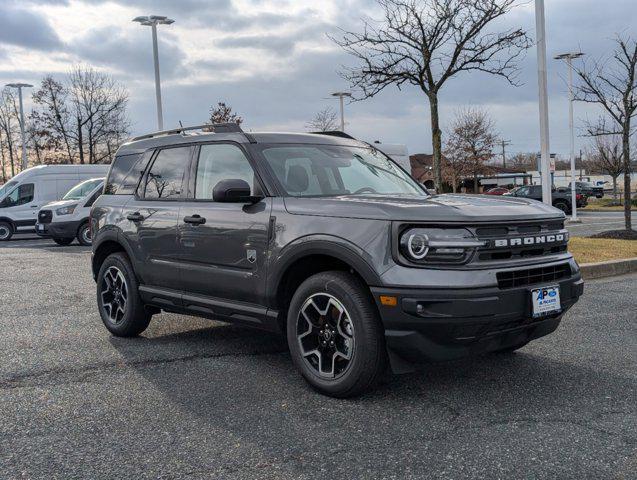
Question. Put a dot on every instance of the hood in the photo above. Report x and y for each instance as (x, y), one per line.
(438, 208)
(58, 204)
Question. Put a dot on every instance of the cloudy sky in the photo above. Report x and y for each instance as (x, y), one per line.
(272, 61)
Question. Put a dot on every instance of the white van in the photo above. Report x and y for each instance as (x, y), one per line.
(68, 218)
(23, 195)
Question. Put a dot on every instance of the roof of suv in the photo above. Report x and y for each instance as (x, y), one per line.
(161, 140)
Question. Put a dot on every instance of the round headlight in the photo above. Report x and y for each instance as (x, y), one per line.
(418, 245)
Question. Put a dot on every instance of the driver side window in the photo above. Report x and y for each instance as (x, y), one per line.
(221, 162)
(19, 196)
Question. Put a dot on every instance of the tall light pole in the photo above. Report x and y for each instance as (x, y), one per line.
(19, 86)
(540, 33)
(569, 56)
(340, 96)
(152, 21)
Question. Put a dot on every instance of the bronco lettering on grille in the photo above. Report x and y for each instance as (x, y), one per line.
(535, 240)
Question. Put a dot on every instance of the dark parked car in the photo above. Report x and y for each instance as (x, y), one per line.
(327, 240)
(588, 189)
(561, 197)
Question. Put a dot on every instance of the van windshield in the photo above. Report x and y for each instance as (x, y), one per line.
(81, 190)
(6, 187)
(331, 170)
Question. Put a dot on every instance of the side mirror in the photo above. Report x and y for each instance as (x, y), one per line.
(233, 190)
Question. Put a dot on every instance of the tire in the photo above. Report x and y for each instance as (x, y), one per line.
(511, 349)
(355, 331)
(562, 206)
(63, 241)
(84, 235)
(6, 231)
(118, 300)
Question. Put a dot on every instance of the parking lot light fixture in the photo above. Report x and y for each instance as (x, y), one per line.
(152, 21)
(340, 96)
(569, 57)
(20, 86)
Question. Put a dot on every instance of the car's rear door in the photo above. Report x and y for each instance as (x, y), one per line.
(152, 217)
(223, 246)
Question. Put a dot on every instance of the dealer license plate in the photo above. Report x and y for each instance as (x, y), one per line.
(545, 300)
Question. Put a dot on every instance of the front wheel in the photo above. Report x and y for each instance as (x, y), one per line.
(118, 300)
(63, 241)
(6, 231)
(335, 335)
(84, 235)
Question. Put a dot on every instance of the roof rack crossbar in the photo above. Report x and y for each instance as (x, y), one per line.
(212, 127)
(334, 133)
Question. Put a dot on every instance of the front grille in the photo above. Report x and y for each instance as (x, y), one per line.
(532, 276)
(45, 216)
(534, 232)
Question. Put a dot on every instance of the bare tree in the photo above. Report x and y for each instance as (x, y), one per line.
(84, 117)
(612, 84)
(472, 139)
(9, 125)
(99, 109)
(523, 161)
(426, 42)
(324, 121)
(223, 113)
(608, 158)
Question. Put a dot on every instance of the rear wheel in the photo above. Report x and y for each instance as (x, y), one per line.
(84, 234)
(562, 206)
(335, 335)
(118, 299)
(63, 241)
(6, 231)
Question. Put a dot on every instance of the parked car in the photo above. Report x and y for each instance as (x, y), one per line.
(561, 198)
(588, 189)
(68, 219)
(325, 239)
(497, 191)
(24, 194)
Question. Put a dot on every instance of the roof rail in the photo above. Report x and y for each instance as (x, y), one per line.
(335, 133)
(211, 127)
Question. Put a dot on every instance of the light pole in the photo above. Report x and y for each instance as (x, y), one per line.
(340, 96)
(19, 86)
(569, 61)
(152, 21)
(540, 33)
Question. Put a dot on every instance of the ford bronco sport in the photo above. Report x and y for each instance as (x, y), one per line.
(326, 239)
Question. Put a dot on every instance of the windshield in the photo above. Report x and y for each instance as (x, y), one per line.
(81, 190)
(328, 170)
(6, 187)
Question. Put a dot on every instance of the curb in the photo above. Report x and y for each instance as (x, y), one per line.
(602, 210)
(608, 269)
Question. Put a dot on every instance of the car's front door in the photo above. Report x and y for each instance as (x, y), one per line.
(20, 205)
(223, 245)
(152, 218)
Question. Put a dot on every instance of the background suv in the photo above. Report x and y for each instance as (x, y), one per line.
(328, 240)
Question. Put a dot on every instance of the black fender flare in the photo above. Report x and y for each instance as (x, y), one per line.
(111, 236)
(329, 245)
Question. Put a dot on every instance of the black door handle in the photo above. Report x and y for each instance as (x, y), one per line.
(195, 220)
(135, 217)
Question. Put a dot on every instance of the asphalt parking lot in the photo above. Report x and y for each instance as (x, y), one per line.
(199, 399)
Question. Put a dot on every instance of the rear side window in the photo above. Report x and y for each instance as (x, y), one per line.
(165, 179)
(125, 173)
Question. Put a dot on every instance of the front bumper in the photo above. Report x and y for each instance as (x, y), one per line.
(442, 324)
(58, 229)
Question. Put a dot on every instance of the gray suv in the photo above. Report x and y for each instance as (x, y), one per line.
(324, 238)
